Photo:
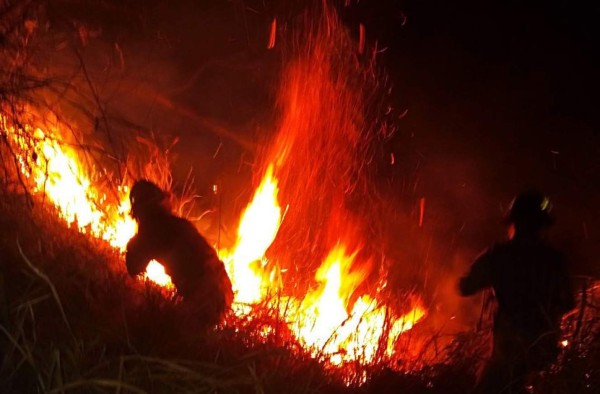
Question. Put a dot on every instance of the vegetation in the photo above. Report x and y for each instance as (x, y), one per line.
(72, 321)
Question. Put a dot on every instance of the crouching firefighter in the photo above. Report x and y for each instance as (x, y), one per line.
(532, 289)
(196, 271)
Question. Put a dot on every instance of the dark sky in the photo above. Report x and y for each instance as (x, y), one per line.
(501, 96)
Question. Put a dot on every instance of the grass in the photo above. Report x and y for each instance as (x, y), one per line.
(72, 321)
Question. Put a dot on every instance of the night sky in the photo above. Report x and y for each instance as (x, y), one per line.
(501, 97)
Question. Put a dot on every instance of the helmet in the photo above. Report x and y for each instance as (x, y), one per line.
(530, 206)
(147, 196)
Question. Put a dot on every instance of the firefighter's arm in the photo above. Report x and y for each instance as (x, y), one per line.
(136, 257)
(479, 276)
(565, 291)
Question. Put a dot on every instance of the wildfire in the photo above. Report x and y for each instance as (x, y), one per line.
(155, 272)
(335, 321)
(321, 321)
(257, 230)
(55, 170)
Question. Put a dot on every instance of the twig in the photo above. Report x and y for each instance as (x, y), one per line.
(100, 107)
(581, 309)
(46, 279)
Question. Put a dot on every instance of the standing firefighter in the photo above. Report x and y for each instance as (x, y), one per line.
(193, 265)
(533, 292)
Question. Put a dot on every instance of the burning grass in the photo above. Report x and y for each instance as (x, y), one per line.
(309, 315)
(332, 318)
(72, 321)
(326, 321)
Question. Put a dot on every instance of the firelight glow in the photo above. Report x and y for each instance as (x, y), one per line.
(323, 321)
(256, 232)
(155, 272)
(55, 170)
(320, 321)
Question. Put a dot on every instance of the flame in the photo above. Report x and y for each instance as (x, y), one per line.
(324, 321)
(155, 272)
(322, 146)
(321, 321)
(325, 326)
(257, 230)
(321, 324)
(55, 170)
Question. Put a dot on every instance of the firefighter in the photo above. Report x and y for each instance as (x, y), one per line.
(196, 271)
(532, 289)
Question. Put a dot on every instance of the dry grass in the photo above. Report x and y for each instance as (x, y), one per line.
(72, 321)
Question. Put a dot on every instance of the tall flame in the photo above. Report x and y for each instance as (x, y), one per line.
(257, 230)
(321, 321)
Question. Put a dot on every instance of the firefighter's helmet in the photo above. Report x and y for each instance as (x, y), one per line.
(531, 206)
(147, 196)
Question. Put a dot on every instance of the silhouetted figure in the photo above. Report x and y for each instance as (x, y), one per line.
(533, 292)
(196, 271)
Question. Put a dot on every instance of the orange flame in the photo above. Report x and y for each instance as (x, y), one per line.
(323, 315)
(56, 171)
(257, 230)
(322, 322)
(155, 272)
